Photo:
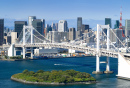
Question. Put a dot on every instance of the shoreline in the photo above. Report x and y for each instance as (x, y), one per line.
(43, 58)
(47, 83)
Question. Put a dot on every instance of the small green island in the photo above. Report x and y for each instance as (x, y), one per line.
(54, 77)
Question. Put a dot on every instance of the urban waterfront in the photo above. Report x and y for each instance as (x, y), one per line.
(82, 64)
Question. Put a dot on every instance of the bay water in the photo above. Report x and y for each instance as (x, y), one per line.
(82, 64)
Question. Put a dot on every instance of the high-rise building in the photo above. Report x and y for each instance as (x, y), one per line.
(19, 26)
(79, 23)
(108, 21)
(38, 25)
(62, 26)
(117, 24)
(1, 31)
(5, 40)
(53, 36)
(9, 39)
(88, 38)
(114, 39)
(56, 24)
(53, 26)
(13, 37)
(43, 25)
(78, 34)
(127, 28)
(71, 33)
(30, 19)
(49, 28)
(85, 27)
(64, 36)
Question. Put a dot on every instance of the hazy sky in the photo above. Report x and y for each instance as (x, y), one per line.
(91, 11)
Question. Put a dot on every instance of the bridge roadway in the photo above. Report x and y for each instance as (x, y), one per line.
(103, 52)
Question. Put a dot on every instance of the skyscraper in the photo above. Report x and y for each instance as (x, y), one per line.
(85, 27)
(113, 38)
(127, 27)
(79, 23)
(38, 25)
(56, 24)
(1, 31)
(62, 26)
(19, 26)
(53, 26)
(108, 21)
(72, 33)
(30, 19)
(43, 25)
(117, 24)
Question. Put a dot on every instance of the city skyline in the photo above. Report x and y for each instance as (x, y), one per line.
(55, 10)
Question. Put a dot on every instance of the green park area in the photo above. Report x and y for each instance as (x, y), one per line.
(68, 76)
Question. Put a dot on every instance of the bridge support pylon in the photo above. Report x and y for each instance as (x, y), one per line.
(23, 52)
(108, 66)
(31, 52)
(97, 66)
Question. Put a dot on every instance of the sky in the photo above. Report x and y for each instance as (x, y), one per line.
(92, 11)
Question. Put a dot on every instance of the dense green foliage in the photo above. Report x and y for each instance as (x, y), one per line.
(17, 57)
(60, 76)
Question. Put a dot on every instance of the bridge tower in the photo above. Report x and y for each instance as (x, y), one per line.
(24, 40)
(98, 51)
(31, 42)
(24, 27)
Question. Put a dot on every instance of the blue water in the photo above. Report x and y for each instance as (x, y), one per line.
(83, 64)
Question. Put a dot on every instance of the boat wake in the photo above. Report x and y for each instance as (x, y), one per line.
(66, 65)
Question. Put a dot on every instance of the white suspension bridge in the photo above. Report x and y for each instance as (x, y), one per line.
(30, 37)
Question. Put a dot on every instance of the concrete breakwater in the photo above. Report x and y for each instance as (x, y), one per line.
(52, 83)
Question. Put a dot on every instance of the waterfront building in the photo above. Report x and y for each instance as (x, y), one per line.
(62, 26)
(1, 31)
(19, 26)
(127, 27)
(117, 24)
(30, 19)
(108, 21)
(40, 52)
(13, 37)
(79, 23)
(72, 33)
